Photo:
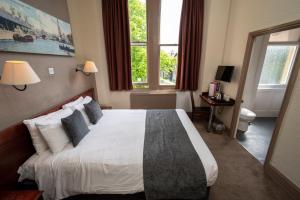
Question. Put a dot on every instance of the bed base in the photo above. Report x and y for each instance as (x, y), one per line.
(30, 185)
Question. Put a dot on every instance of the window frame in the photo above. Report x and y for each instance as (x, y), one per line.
(280, 86)
(153, 14)
(141, 44)
(140, 85)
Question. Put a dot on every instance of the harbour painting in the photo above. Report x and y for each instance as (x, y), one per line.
(26, 29)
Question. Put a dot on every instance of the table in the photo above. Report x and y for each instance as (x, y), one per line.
(213, 103)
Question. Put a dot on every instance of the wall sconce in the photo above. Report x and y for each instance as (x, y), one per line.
(18, 73)
(88, 68)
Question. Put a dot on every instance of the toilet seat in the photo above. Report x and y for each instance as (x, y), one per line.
(247, 115)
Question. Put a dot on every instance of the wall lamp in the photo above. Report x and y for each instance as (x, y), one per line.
(17, 73)
(88, 68)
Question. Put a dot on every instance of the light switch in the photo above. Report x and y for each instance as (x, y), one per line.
(51, 71)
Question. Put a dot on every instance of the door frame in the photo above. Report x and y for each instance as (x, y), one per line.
(242, 81)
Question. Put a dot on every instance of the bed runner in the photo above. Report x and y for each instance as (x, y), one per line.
(172, 168)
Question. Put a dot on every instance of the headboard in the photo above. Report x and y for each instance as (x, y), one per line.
(16, 146)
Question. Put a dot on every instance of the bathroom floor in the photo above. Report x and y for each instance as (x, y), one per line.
(257, 139)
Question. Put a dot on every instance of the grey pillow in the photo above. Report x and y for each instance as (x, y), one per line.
(93, 111)
(75, 127)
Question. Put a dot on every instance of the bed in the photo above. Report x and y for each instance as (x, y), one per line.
(109, 160)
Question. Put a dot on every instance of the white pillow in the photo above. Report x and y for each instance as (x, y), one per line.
(81, 108)
(38, 141)
(73, 103)
(54, 135)
(87, 99)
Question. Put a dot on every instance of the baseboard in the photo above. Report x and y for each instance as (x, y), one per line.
(281, 180)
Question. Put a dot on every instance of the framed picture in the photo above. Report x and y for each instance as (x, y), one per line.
(26, 29)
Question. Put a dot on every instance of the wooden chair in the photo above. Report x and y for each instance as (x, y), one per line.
(198, 112)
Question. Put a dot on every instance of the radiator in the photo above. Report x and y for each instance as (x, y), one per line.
(153, 100)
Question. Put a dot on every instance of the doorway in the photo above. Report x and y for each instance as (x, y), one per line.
(267, 79)
(271, 62)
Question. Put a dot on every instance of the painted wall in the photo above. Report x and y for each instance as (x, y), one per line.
(247, 16)
(254, 71)
(88, 31)
(286, 156)
(268, 101)
(214, 35)
(16, 106)
(89, 40)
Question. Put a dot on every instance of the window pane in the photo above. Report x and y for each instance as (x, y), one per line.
(168, 64)
(139, 64)
(137, 18)
(277, 64)
(170, 21)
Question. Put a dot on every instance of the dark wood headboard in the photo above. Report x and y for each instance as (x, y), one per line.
(16, 146)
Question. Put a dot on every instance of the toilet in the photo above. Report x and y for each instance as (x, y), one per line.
(246, 116)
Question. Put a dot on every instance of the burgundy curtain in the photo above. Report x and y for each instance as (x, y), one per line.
(190, 44)
(117, 43)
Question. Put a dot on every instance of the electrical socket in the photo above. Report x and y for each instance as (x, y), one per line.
(51, 71)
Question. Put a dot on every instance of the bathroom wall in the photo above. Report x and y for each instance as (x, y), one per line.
(268, 99)
(254, 70)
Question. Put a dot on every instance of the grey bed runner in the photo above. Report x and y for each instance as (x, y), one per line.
(172, 167)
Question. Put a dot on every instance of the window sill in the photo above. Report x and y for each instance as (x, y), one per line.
(153, 92)
(271, 86)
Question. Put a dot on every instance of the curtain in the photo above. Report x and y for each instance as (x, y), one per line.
(117, 43)
(190, 44)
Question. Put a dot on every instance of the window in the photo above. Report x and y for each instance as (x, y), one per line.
(154, 56)
(169, 34)
(138, 38)
(277, 64)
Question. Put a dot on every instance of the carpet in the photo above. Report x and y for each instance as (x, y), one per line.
(241, 176)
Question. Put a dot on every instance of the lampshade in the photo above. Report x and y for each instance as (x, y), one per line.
(18, 73)
(90, 67)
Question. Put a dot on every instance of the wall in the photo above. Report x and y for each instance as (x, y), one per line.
(88, 31)
(16, 106)
(286, 155)
(214, 35)
(268, 101)
(254, 71)
(265, 102)
(247, 16)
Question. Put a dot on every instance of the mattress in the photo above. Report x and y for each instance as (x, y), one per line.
(109, 160)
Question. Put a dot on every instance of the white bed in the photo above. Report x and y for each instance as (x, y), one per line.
(109, 160)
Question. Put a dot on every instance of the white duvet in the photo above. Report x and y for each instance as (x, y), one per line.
(109, 160)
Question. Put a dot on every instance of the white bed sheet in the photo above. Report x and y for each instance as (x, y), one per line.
(109, 160)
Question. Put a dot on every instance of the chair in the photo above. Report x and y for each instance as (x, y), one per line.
(198, 112)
